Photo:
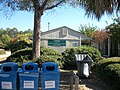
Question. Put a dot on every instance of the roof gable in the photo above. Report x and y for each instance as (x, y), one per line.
(60, 28)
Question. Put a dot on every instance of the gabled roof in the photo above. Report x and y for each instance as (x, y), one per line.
(56, 29)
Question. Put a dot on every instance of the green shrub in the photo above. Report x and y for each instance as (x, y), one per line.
(20, 45)
(25, 55)
(21, 56)
(109, 71)
(48, 54)
(2, 51)
(69, 55)
(2, 45)
(48, 51)
(49, 58)
(5, 39)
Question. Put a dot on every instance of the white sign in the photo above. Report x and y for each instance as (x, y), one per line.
(49, 84)
(28, 84)
(6, 85)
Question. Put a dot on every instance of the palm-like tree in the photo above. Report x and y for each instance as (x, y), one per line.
(97, 8)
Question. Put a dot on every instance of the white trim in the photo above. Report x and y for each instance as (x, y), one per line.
(60, 38)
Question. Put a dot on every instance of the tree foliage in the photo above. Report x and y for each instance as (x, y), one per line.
(100, 36)
(114, 30)
(97, 8)
(30, 5)
(5, 40)
(87, 30)
(10, 36)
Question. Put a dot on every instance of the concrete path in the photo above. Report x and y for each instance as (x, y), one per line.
(4, 56)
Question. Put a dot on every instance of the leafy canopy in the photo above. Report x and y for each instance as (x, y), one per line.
(29, 5)
(87, 30)
(97, 8)
(114, 30)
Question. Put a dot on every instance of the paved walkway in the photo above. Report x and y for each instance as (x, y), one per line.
(3, 57)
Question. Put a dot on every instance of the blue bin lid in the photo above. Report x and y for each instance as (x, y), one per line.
(29, 67)
(49, 67)
(9, 67)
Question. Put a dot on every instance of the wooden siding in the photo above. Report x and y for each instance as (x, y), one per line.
(73, 38)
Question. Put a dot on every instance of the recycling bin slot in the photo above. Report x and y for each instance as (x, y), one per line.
(50, 68)
(29, 67)
(7, 69)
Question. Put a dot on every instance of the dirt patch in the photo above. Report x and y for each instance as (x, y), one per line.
(94, 83)
(91, 83)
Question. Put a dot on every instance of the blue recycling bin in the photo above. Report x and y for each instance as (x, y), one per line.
(29, 76)
(50, 76)
(8, 76)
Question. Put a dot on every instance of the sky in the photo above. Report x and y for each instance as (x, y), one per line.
(58, 17)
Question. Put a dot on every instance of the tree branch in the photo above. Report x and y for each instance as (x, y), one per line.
(35, 2)
(54, 5)
(43, 5)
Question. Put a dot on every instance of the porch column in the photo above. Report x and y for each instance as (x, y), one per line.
(80, 40)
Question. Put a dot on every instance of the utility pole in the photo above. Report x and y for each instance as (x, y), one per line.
(48, 26)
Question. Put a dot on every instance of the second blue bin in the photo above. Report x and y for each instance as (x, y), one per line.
(29, 76)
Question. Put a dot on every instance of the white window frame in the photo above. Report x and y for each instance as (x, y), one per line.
(75, 43)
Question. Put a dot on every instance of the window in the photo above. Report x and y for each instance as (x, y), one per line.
(74, 43)
(64, 31)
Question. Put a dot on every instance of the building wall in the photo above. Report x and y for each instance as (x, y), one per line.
(72, 38)
(69, 43)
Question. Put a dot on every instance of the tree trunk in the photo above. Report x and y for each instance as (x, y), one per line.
(36, 34)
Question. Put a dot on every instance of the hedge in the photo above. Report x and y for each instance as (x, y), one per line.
(109, 71)
(69, 55)
(25, 55)
(20, 45)
(21, 56)
(48, 54)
